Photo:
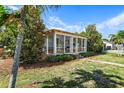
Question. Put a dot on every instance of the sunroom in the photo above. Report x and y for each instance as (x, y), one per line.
(60, 42)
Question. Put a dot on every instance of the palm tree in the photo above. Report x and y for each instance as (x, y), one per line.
(113, 38)
(23, 27)
(3, 15)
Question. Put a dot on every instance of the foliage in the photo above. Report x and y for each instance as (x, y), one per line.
(120, 34)
(8, 38)
(7, 16)
(113, 38)
(3, 14)
(117, 38)
(33, 37)
(8, 29)
(95, 42)
(60, 58)
(83, 33)
(88, 54)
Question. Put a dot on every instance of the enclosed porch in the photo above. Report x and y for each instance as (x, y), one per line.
(60, 42)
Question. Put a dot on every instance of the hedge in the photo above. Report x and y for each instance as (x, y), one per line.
(87, 54)
(61, 58)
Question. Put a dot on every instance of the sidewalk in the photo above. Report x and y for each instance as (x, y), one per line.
(105, 62)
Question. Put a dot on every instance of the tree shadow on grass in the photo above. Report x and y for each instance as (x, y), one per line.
(60, 83)
(100, 79)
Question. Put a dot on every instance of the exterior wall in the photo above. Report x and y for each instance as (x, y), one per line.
(107, 46)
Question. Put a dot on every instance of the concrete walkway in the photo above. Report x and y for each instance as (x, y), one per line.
(105, 62)
(102, 62)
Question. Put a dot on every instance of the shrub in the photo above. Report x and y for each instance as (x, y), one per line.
(67, 57)
(52, 59)
(60, 58)
(87, 54)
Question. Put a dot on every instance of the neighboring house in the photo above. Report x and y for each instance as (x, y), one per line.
(60, 42)
(107, 45)
(120, 46)
(118, 49)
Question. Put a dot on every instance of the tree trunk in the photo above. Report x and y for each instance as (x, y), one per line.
(15, 65)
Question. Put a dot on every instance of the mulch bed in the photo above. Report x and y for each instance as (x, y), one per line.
(39, 65)
(6, 65)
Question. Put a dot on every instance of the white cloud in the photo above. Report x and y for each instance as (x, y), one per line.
(13, 7)
(56, 22)
(109, 26)
(113, 22)
(112, 25)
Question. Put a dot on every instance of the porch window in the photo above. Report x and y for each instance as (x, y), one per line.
(67, 44)
(60, 43)
(50, 44)
(79, 45)
(83, 45)
(74, 45)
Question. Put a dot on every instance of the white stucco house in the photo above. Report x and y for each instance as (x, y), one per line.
(107, 45)
(61, 42)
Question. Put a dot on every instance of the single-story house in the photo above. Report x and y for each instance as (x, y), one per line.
(61, 42)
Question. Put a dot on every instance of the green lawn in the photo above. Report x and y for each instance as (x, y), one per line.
(76, 73)
(110, 58)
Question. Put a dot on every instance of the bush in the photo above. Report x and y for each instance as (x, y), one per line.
(88, 54)
(52, 59)
(60, 58)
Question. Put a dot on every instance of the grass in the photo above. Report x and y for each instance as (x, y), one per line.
(75, 73)
(110, 58)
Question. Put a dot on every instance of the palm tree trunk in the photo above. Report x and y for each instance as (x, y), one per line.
(15, 65)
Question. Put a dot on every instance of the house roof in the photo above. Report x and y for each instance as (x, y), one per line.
(106, 42)
(63, 32)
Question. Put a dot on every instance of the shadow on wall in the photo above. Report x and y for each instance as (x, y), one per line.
(96, 79)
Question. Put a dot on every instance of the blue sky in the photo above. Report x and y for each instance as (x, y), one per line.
(74, 18)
